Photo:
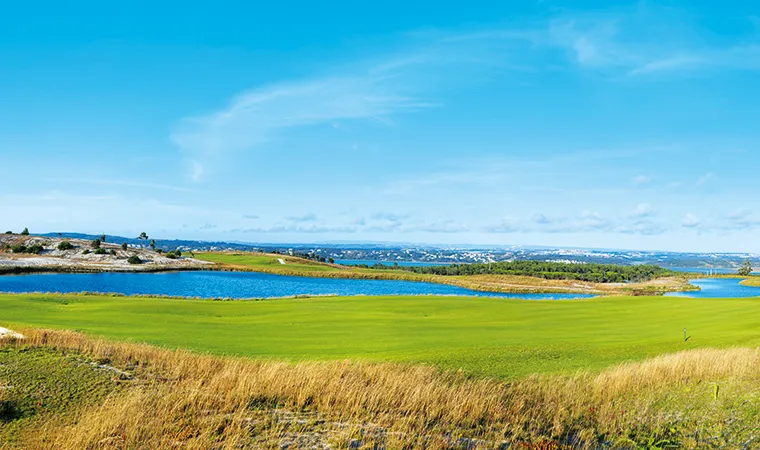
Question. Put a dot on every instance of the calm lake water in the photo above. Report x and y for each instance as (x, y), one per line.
(236, 285)
(719, 288)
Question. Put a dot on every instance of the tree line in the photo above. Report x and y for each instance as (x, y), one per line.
(599, 273)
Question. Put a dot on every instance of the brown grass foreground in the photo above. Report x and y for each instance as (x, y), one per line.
(694, 399)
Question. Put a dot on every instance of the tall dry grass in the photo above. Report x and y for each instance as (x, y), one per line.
(185, 400)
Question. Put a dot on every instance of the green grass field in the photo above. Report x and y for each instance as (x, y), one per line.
(495, 337)
(265, 262)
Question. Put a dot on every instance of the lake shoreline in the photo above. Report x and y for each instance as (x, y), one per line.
(241, 285)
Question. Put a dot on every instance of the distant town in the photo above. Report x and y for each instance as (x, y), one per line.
(371, 253)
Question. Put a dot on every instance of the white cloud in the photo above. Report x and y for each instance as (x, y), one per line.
(691, 221)
(308, 217)
(642, 210)
(196, 170)
(642, 179)
(705, 179)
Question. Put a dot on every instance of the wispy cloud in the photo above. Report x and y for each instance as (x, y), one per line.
(640, 221)
(691, 221)
(705, 179)
(642, 211)
(308, 217)
(122, 183)
(642, 179)
(622, 42)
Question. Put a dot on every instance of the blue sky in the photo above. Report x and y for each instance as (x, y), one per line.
(628, 125)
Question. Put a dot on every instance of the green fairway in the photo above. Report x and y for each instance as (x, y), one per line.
(266, 262)
(497, 337)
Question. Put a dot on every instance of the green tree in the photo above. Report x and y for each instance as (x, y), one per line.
(25, 232)
(124, 246)
(95, 243)
(143, 236)
(153, 244)
(746, 268)
(102, 238)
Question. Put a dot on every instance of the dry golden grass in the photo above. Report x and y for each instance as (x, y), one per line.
(191, 401)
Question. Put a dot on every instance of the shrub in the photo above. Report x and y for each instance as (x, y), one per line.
(9, 232)
(100, 251)
(95, 243)
(159, 251)
(112, 252)
(171, 255)
(134, 259)
(86, 251)
(25, 232)
(18, 248)
(65, 245)
(35, 249)
(124, 246)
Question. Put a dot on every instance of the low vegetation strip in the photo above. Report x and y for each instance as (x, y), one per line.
(599, 273)
(493, 337)
(693, 399)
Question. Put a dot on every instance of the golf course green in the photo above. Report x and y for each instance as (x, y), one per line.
(483, 336)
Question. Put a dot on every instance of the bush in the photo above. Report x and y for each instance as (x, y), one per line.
(25, 232)
(100, 251)
(65, 245)
(35, 249)
(95, 243)
(159, 251)
(9, 232)
(124, 246)
(112, 252)
(18, 248)
(86, 251)
(134, 259)
(171, 255)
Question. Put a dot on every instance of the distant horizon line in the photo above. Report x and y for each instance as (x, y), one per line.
(462, 246)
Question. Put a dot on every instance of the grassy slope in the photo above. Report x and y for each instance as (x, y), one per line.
(694, 400)
(268, 263)
(37, 384)
(503, 338)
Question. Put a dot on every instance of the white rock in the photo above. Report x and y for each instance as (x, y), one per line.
(10, 334)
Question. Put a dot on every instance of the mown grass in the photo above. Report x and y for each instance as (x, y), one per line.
(482, 336)
(268, 263)
(37, 384)
(697, 399)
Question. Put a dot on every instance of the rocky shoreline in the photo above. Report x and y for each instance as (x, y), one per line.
(83, 258)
